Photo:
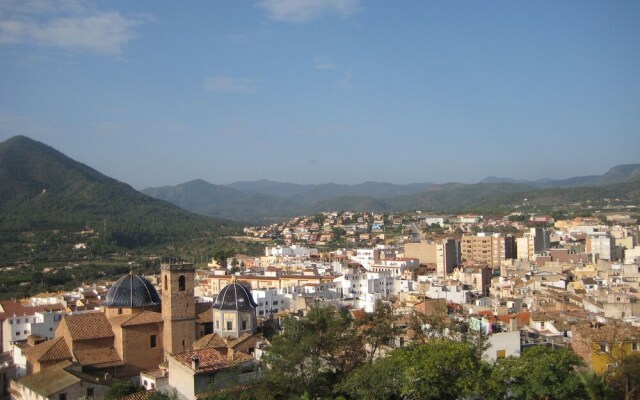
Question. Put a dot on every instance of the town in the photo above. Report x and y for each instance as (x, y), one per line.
(518, 281)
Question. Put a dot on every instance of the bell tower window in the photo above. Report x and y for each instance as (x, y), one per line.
(182, 283)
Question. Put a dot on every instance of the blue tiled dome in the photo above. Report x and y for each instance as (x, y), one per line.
(234, 297)
(132, 291)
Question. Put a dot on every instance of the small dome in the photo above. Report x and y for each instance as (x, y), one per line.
(132, 291)
(235, 297)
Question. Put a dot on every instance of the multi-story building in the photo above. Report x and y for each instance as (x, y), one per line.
(536, 241)
(444, 254)
(599, 245)
(491, 249)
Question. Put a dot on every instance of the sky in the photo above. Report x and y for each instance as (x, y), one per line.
(159, 92)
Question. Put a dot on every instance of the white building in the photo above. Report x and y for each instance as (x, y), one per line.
(269, 301)
(289, 251)
(599, 245)
(451, 292)
(17, 328)
(366, 257)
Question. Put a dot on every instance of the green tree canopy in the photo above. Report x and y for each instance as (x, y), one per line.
(539, 373)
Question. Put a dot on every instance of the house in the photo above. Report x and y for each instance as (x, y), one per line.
(65, 382)
(602, 346)
(195, 372)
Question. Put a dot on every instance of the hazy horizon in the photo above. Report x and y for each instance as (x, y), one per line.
(154, 93)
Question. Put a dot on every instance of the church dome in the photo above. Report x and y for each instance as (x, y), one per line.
(235, 297)
(132, 291)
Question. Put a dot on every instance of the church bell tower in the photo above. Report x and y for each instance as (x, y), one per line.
(178, 307)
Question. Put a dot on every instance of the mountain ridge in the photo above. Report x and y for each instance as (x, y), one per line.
(43, 189)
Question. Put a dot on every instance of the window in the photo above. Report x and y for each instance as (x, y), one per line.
(182, 283)
(10, 322)
(166, 283)
(17, 333)
(25, 332)
(153, 341)
(119, 311)
(635, 346)
(275, 303)
(18, 321)
(229, 325)
(244, 325)
(62, 396)
(217, 324)
(90, 391)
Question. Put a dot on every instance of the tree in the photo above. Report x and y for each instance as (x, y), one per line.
(121, 389)
(379, 327)
(430, 320)
(625, 379)
(164, 396)
(539, 373)
(596, 386)
(309, 354)
(441, 369)
(378, 380)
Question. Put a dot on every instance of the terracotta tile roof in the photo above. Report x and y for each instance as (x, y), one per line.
(154, 373)
(212, 340)
(14, 307)
(231, 342)
(139, 395)
(204, 313)
(143, 318)
(88, 326)
(99, 358)
(210, 360)
(51, 350)
(49, 381)
(229, 390)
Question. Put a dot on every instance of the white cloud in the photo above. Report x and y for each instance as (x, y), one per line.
(307, 10)
(345, 82)
(68, 24)
(323, 63)
(227, 84)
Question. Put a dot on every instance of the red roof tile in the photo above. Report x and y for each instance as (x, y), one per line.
(88, 326)
(51, 350)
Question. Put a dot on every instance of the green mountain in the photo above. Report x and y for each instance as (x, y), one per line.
(44, 190)
(617, 174)
(205, 198)
(254, 201)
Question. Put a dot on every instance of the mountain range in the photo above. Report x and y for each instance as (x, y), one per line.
(44, 190)
(263, 199)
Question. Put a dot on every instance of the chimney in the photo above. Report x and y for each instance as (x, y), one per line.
(513, 324)
(195, 363)
(230, 353)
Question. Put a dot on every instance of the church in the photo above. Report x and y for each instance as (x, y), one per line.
(140, 330)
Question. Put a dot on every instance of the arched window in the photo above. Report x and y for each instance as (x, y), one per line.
(182, 283)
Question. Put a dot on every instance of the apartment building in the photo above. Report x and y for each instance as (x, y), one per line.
(491, 249)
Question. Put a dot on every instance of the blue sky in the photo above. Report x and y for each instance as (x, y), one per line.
(157, 92)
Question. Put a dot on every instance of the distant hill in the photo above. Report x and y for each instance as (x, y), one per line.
(42, 189)
(617, 174)
(253, 201)
(325, 191)
(205, 198)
